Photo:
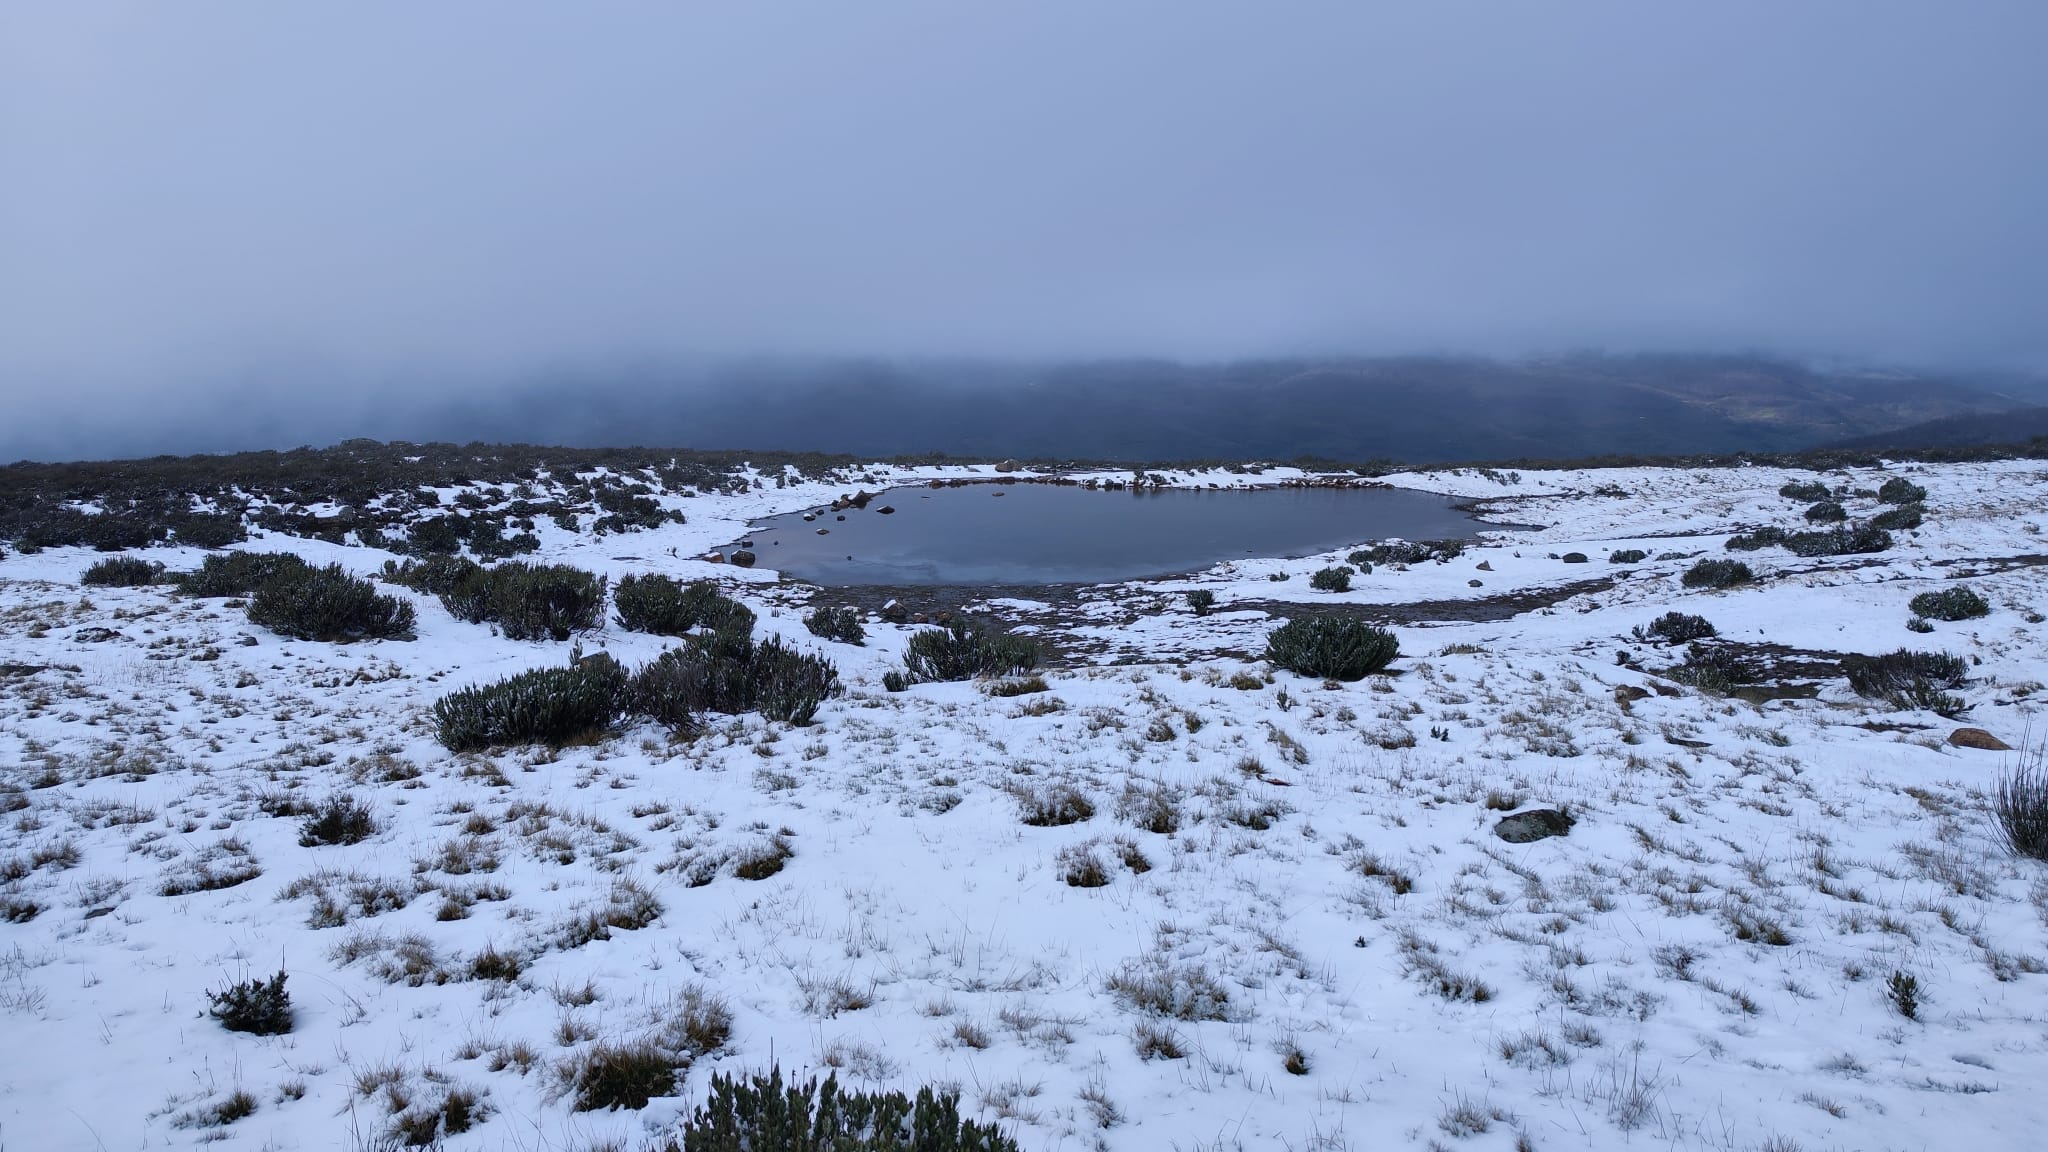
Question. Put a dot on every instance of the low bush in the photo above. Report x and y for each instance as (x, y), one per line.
(728, 672)
(1406, 552)
(1717, 574)
(1901, 518)
(1201, 601)
(261, 1007)
(1627, 556)
(544, 706)
(2019, 800)
(1336, 579)
(666, 607)
(1714, 669)
(238, 573)
(1808, 492)
(203, 531)
(1331, 647)
(1910, 681)
(1851, 540)
(1675, 628)
(1950, 604)
(1826, 512)
(529, 601)
(841, 624)
(963, 649)
(341, 820)
(1752, 541)
(625, 1076)
(760, 1113)
(122, 572)
(1899, 490)
(434, 575)
(328, 604)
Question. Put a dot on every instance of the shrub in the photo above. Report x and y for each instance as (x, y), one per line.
(1808, 492)
(122, 572)
(1846, 541)
(529, 601)
(209, 531)
(1905, 677)
(1331, 580)
(1627, 556)
(963, 649)
(238, 573)
(261, 1007)
(1903, 990)
(760, 1113)
(841, 624)
(1916, 624)
(1405, 552)
(1675, 628)
(546, 705)
(2020, 802)
(1761, 538)
(1201, 601)
(789, 685)
(1899, 490)
(1331, 647)
(1951, 604)
(894, 681)
(661, 605)
(435, 575)
(328, 604)
(342, 820)
(1717, 574)
(1905, 516)
(1713, 669)
(1020, 686)
(728, 672)
(625, 1075)
(1826, 512)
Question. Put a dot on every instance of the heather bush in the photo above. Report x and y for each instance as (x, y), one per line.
(1336, 579)
(1951, 604)
(1715, 669)
(544, 706)
(1845, 541)
(261, 1007)
(728, 672)
(666, 607)
(1331, 647)
(1901, 518)
(1908, 680)
(1899, 490)
(1717, 574)
(1201, 601)
(1627, 556)
(1826, 512)
(841, 624)
(1406, 552)
(762, 1114)
(1752, 541)
(238, 573)
(529, 601)
(329, 604)
(122, 572)
(1675, 628)
(1807, 493)
(434, 575)
(963, 649)
(202, 531)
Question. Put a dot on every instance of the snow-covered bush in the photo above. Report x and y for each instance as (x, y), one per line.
(1826, 512)
(1627, 556)
(1951, 604)
(666, 607)
(341, 820)
(1675, 628)
(1849, 540)
(328, 604)
(1899, 490)
(1337, 579)
(529, 601)
(261, 1007)
(122, 572)
(1201, 601)
(1901, 518)
(435, 575)
(963, 649)
(728, 672)
(544, 706)
(761, 1112)
(1331, 647)
(841, 624)
(1717, 574)
(1808, 492)
(238, 573)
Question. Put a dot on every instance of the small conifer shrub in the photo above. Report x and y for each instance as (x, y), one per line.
(1717, 574)
(329, 604)
(841, 624)
(1808, 492)
(1337, 579)
(963, 649)
(1950, 604)
(122, 572)
(261, 1007)
(1331, 647)
(1201, 601)
(757, 1113)
(545, 706)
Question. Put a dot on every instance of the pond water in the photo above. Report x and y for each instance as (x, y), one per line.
(1010, 534)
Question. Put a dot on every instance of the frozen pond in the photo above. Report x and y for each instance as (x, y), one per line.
(1007, 534)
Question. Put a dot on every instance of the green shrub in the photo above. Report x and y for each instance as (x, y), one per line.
(963, 649)
(1717, 574)
(762, 1114)
(1807, 493)
(894, 681)
(666, 607)
(1715, 669)
(841, 624)
(1331, 647)
(238, 573)
(626, 1076)
(203, 531)
(122, 572)
(434, 575)
(728, 672)
(342, 820)
(1201, 601)
(1899, 490)
(1847, 541)
(261, 1007)
(1917, 624)
(1951, 604)
(1879, 676)
(1826, 512)
(544, 706)
(329, 604)
(1901, 518)
(789, 685)
(1675, 628)
(1331, 580)
(1761, 538)
(1406, 552)
(2019, 800)
(1627, 556)
(529, 601)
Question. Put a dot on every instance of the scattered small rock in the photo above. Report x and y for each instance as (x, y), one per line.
(744, 558)
(1533, 825)
(1627, 693)
(1977, 738)
(715, 557)
(887, 510)
(1007, 466)
(1574, 558)
(1486, 566)
(1474, 584)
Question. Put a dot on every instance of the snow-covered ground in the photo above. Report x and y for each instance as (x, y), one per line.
(1702, 963)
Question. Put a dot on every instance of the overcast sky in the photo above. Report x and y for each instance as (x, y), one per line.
(204, 194)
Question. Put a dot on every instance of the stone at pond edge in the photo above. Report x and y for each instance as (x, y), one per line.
(1977, 738)
(1533, 825)
(1008, 466)
(743, 558)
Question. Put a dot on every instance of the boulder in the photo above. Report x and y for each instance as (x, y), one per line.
(715, 557)
(743, 558)
(1533, 825)
(1008, 466)
(1474, 584)
(1977, 738)
(1485, 566)
(1574, 558)
(886, 510)
(1627, 693)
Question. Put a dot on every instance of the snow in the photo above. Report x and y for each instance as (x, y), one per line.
(1623, 1006)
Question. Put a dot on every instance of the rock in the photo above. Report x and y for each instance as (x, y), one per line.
(1684, 742)
(1008, 466)
(824, 531)
(1574, 558)
(1474, 584)
(96, 635)
(1485, 566)
(715, 557)
(839, 517)
(1625, 693)
(743, 558)
(886, 510)
(1977, 738)
(1533, 825)
(998, 492)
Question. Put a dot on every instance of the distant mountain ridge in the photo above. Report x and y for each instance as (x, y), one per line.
(2014, 426)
